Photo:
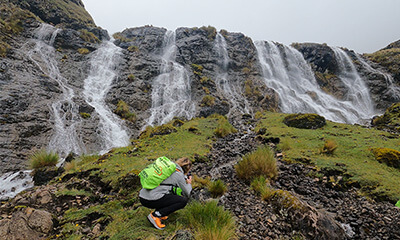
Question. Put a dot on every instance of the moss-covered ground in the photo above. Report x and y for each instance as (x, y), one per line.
(121, 211)
(353, 153)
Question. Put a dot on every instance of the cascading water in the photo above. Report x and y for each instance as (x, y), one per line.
(225, 85)
(171, 94)
(357, 90)
(65, 113)
(393, 90)
(292, 78)
(97, 84)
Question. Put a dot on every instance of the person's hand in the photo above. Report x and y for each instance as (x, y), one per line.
(189, 180)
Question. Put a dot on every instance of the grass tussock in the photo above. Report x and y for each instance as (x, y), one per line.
(209, 221)
(124, 112)
(260, 162)
(329, 147)
(217, 188)
(224, 128)
(42, 158)
(262, 186)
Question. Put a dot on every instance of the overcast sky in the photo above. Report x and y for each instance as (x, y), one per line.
(362, 25)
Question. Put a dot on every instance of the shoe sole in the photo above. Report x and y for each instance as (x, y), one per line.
(151, 220)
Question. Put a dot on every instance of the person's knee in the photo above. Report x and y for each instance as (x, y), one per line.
(183, 201)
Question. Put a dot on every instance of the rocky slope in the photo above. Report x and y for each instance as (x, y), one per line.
(28, 121)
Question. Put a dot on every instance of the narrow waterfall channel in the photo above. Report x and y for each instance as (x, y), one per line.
(229, 89)
(171, 94)
(65, 112)
(286, 71)
(97, 84)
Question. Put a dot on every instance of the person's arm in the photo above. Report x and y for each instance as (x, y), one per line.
(184, 184)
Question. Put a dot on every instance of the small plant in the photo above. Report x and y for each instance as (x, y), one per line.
(204, 80)
(70, 166)
(217, 188)
(199, 182)
(84, 115)
(83, 51)
(261, 162)
(224, 128)
(206, 90)
(133, 49)
(209, 221)
(123, 111)
(131, 77)
(42, 158)
(263, 187)
(88, 36)
(329, 147)
(197, 69)
(208, 100)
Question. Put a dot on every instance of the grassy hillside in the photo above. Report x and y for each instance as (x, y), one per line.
(121, 211)
(353, 155)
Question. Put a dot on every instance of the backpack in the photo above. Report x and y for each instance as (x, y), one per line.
(156, 172)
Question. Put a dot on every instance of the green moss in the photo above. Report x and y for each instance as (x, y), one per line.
(133, 49)
(85, 115)
(123, 111)
(88, 36)
(211, 32)
(389, 58)
(83, 51)
(224, 128)
(250, 90)
(390, 157)
(306, 121)
(122, 38)
(208, 100)
(390, 119)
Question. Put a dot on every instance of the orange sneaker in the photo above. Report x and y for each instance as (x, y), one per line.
(156, 222)
(164, 218)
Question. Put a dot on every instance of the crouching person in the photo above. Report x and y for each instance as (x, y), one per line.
(171, 195)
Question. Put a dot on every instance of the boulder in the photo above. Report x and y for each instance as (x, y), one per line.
(306, 121)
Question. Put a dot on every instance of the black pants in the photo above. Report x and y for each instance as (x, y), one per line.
(167, 204)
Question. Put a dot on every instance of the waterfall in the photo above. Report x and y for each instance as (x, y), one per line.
(225, 85)
(96, 86)
(65, 113)
(13, 183)
(393, 90)
(285, 70)
(357, 90)
(171, 90)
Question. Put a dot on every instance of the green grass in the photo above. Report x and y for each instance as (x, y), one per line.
(42, 158)
(224, 128)
(354, 144)
(182, 143)
(260, 162)
(217, 188)
(209, 221)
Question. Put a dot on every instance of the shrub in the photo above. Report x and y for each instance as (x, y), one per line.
(133, 49)
(123, 111)
(70, 166)
(261, 185)
(209, 221)
(131, 77)
(88, 36)
(208, 100)
(83, 51)
(306, 121)
(42, 158)
(260, 162)
(199, 182)
(329, 147)
(217, 188)
(388, 156)
(224, 127)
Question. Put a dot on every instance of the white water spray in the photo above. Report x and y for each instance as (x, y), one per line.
(171, 94)
(13, 183)
(65, 113)
(230, 90)
(393, 89)
(97, 84)
(292, 78)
